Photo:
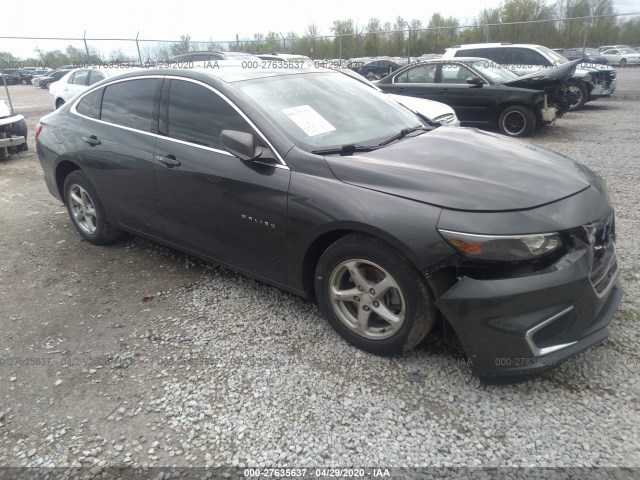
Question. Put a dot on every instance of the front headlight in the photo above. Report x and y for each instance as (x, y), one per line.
(503, 248)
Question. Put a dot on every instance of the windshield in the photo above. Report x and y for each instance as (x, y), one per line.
(591, 51)
(328, 109)
(554, 56)
(494, 72)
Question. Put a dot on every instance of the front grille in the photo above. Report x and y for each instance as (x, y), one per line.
(602, 237)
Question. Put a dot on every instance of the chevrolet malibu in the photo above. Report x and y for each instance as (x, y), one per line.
(322, 186)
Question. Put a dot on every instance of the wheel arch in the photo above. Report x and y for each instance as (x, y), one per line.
(330, 235)
(63, 169)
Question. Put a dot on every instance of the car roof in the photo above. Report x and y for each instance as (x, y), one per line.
(495, 45)
(452, 59)
(226, 72)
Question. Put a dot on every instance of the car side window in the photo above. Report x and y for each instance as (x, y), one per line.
(419, 74)
(525, 56)
(456, 73)
(90, 104)
(79, 78)
(95, 77)
(130, 103)
(198, 115)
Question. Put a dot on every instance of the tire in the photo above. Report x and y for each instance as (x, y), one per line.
(407, 299)
(20, 129)
(579, 89)
(59, 103)
(517, 121)
(623, 62)
(86, 211)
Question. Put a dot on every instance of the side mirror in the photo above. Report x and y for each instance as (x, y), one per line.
(240, 144)
(477, 81)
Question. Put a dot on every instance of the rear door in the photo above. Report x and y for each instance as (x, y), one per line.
(211, 202)
(116, 147)
(77, 83)
(418, 81)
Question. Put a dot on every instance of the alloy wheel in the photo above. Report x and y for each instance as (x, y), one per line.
(367, 299)
(83, 209)
(514, 122)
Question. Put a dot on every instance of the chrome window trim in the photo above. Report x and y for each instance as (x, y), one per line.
(73, 110)
(537, 351)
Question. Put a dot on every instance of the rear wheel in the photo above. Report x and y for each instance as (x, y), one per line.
(517, 121)
(579, 91)
(623, 62)
(20, 129)
(86, 211)
(373, 296)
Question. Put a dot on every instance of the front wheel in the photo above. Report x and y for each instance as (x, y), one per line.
(578, 90)
(373, 296)
(623, 62)
(59, 103)
(86, 211)
(517, 121)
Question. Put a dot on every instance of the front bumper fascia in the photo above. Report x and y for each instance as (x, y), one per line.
(501, 323)
(603, 91)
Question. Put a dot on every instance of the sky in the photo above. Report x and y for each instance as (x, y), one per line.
(204, 22)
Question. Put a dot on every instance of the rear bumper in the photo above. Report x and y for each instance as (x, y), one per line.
(526, 325)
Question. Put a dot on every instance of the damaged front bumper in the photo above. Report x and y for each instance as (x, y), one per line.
(603, 90)
(532, 322)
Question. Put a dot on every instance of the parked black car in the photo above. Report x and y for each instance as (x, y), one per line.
(320, 185)
(483, 93)
(53, 77)
(15, 76)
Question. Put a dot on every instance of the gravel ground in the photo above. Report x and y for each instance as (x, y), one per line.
(137, 355)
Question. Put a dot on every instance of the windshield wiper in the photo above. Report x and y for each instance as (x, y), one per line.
(348, 149)
(403, 133)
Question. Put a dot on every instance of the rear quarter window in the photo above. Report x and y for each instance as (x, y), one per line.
(90, 104)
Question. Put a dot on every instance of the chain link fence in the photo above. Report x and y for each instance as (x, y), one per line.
(29, 97)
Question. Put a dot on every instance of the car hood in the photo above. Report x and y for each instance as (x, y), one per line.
(464, 169)
(545, 75)
(428, 108)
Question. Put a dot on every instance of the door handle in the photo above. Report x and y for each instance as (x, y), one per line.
(169, 160)
(91, 140)
(444, 91)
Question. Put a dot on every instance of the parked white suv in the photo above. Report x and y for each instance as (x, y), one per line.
(588, 82)
(79, 80)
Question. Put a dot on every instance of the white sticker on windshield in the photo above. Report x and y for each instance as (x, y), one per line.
(309, 121)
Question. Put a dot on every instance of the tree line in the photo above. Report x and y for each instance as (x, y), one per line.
(549, 25)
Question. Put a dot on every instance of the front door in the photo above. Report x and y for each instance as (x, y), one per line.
(211, 202)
